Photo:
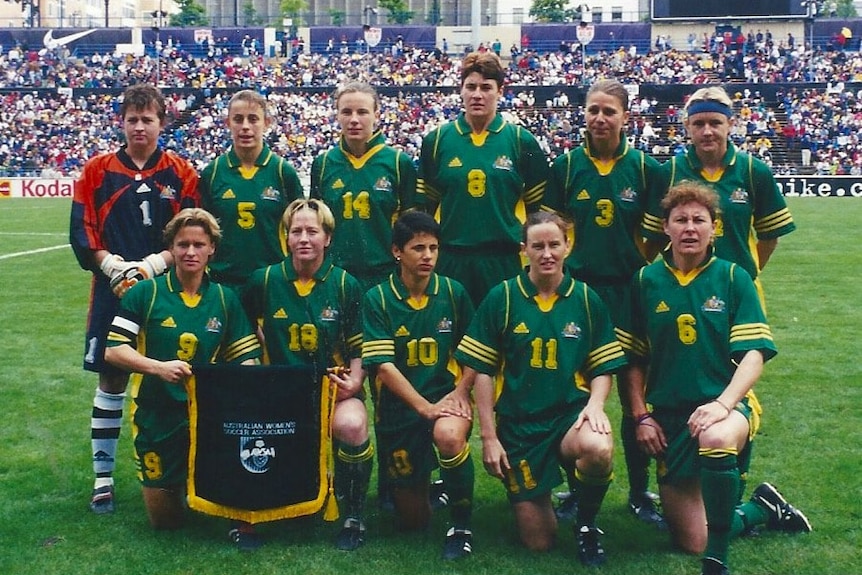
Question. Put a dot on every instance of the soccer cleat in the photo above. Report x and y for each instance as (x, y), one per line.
(590, 551)
(712, 566)
(567, 510)
(437, 495)
(644, 507)
(782, 515)
(351, 536)
(246, 539)
(459, 543)
(103, 500)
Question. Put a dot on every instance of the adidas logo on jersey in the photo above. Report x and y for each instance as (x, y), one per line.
(455, 163)
(521, 328)
(661, 307)
(143, 189)
(280, 314)
(402, 332)
(169, 322)
(338, 184)
(583, 195)
(228, 195)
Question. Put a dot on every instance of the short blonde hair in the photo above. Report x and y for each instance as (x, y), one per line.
(189, 217)
(324, 214)
(251, 97)
(712, 94)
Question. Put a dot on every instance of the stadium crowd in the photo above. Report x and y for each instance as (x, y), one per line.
(52, 133)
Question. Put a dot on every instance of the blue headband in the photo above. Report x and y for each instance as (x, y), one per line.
(709, 106)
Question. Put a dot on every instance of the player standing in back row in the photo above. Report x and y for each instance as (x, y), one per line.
(121, 204)
(482, 174)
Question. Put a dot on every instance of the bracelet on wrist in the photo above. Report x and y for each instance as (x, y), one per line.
(642, 418)
(718, 401)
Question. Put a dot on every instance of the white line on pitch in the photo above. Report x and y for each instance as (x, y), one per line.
(31, 252)
(59, 234)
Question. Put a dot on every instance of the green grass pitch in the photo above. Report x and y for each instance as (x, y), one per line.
(808, 447)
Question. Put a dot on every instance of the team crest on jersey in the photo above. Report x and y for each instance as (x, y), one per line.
(402, 332)
(662, 307)
(228, 195)
(583, 195)
(521, 328)
(338, 184)
(329, 314)
(739, 196)
(455, 163)
(143, 189)
(255, 455)
(270, 193)
(168, 193)
(714, 304)
(383, 184)
(444, 325)
(503, 163)
(214, 325)
(628, 195)
(280, 314)
(169, 322)
(572, 330)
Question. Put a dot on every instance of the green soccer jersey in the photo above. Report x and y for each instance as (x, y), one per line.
(249, 205)
(606, 202)
(419, 341)
(547, 352)
(366, 195)
(478, 181)
(162, 323)
(751, 206)
(315, 324)
(690, 328)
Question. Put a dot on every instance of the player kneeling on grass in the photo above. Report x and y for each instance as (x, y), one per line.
(701, 334)
(551, 340)
(411, 325)
(171, 319)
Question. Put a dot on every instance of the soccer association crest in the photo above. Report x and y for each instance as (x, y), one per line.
(214, 325)
(504, 163)
(329, 313)
(739, 196)
(270, 193)
(444, 325)
(572, 330)
(255, 455)
(383, 185)
(714, 304)
(167, 193)
(628, 195)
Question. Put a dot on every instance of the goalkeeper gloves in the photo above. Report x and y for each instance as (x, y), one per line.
(133, 272)
(113, 265)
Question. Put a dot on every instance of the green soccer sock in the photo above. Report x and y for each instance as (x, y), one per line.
(719, 484)
(591, 490)
(458, 476)
(637, 462)
(352, 473)
(748, 515)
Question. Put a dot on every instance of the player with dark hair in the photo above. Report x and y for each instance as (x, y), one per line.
(482, 174)
(604, 187)
(411, 325)
(247, 188)
(308, 312)
(700, 340)
(121, 204)
(164, 327)
(368, 184)
(551, 340)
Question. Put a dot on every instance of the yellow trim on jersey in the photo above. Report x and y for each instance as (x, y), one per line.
(750, 331)
(476, 349)
(418, 304)
(248, 173)
(546, 304)
(304, 287)
(191, 301)
(479, 139)
(359, 162)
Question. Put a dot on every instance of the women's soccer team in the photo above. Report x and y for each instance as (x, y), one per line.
(484, 281)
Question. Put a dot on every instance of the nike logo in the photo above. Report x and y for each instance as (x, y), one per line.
(52, 43)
